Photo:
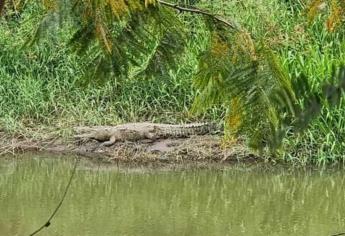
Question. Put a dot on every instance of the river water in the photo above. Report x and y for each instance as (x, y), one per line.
(110, 201)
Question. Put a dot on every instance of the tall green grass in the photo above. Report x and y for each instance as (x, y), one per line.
(40, 86)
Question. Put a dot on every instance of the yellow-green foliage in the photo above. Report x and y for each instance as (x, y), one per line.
(237, 67)
(333, 9)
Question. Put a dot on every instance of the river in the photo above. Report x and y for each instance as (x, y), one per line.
(106, 200)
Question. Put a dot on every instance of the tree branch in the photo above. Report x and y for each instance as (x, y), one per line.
(48, 223)
(232, 25)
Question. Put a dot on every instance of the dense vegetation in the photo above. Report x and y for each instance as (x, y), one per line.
(43, 87)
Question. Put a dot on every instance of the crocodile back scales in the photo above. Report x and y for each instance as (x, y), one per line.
(185, 130)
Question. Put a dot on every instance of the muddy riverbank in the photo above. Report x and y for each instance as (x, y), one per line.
(205, 149)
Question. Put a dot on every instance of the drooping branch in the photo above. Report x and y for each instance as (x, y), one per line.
(231, 24)
(48, 223)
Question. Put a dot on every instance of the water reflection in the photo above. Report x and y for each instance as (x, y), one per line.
(203, 202)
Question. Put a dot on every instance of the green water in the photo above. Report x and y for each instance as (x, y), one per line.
(109, 201)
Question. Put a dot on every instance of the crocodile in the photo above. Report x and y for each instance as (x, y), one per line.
(108, 135)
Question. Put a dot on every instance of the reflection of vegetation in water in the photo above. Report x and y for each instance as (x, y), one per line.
(201, 202)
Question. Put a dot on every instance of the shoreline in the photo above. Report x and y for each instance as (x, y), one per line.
(203, 150)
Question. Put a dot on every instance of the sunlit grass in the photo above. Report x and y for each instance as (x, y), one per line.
(40, 87)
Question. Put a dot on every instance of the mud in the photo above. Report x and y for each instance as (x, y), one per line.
(201, 150)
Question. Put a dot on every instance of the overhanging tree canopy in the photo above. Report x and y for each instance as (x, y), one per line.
(234, 70)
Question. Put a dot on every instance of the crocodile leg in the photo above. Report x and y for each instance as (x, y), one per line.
(150, 136)
(111, 141)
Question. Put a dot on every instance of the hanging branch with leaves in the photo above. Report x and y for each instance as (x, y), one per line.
(333, 9)
(234, 71)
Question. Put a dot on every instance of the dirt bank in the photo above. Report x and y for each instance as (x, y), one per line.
(196, 149)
